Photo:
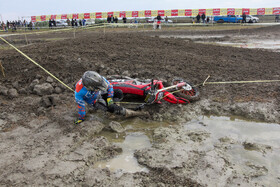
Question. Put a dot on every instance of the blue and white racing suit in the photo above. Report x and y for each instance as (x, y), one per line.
(83, 96)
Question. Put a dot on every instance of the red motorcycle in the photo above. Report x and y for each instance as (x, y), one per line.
(152, 91)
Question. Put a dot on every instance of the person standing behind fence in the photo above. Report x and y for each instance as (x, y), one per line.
(124, 19)
(166, 19)
(277, 18)
(84, 22)
(198, 18)
(203, 18)
(244, 17)
(50, 23)
(72, 22)
(68, 22)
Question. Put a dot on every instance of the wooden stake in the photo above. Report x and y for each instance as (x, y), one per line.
(2, 69)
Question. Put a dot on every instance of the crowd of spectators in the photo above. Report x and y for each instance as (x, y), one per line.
(13, 25)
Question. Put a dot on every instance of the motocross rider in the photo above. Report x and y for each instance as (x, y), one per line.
(90, 88)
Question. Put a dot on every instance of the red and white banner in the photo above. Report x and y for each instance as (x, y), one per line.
(276, 10)
(174, 12)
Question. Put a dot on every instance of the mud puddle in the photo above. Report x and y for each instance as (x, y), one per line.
(126, 162)
(252, 147)
(274, 45)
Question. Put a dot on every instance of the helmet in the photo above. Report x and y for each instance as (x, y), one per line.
(94, 82)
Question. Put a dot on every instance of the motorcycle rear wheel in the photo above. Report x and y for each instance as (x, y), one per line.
(191, 95)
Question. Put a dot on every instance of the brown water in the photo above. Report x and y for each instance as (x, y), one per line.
(254, 144)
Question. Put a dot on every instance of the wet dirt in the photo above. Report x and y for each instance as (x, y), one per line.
(45, 148)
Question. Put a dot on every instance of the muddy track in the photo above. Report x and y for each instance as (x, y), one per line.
(39, 126)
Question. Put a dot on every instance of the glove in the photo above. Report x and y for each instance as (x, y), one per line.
(109, 101)
(78, 121)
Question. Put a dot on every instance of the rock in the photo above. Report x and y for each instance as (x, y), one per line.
(126, 73)
(43, 89)
(48, 101)
(3, 91)
(34, 82)
(12, 93)
(38, 76)
(15, 85)
(116, 127)
(22, 91)
(57, 90)
(49, 79)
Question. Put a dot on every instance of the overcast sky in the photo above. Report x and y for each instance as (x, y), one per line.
(14, 9)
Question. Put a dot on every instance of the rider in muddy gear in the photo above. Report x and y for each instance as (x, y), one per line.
(94, 90)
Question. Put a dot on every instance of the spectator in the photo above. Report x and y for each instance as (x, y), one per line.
(76, 23)
(203, 18)
(72, 22)
(124, 19)
(80, 22)
(116, 19)
(84, 22)
(244, 17)
(198, 18)
(54, 23)
(50, 23)
(207, 20)
(166, 19)
(193, 20)
(68, 22)
(108, 19)
(277, 18)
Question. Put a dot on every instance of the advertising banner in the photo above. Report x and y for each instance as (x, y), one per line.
(209, 12)
(246, 11)
(135, 14)
(43, 18)
(109, 13)
(148, 13)
(38, 18)
(87, 15)
(268, 11)
(116, 13)
(167, 13)
(253, 11)
(216, 11)
(161, 12)
(141, 13)
(53, 17)
(231, 11)
(128, 14)
(154, 13)
(81, 16)
(122, 14)
(92, 15)
(98, 15)
(201, 11)
(261, 11)
(181, 12)
(75, 16)
(64, 16)
(195, 12)
(174, 12)
(223, 11)
(188, 12)
(238, 11)
(276, 10)
(33, 18)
